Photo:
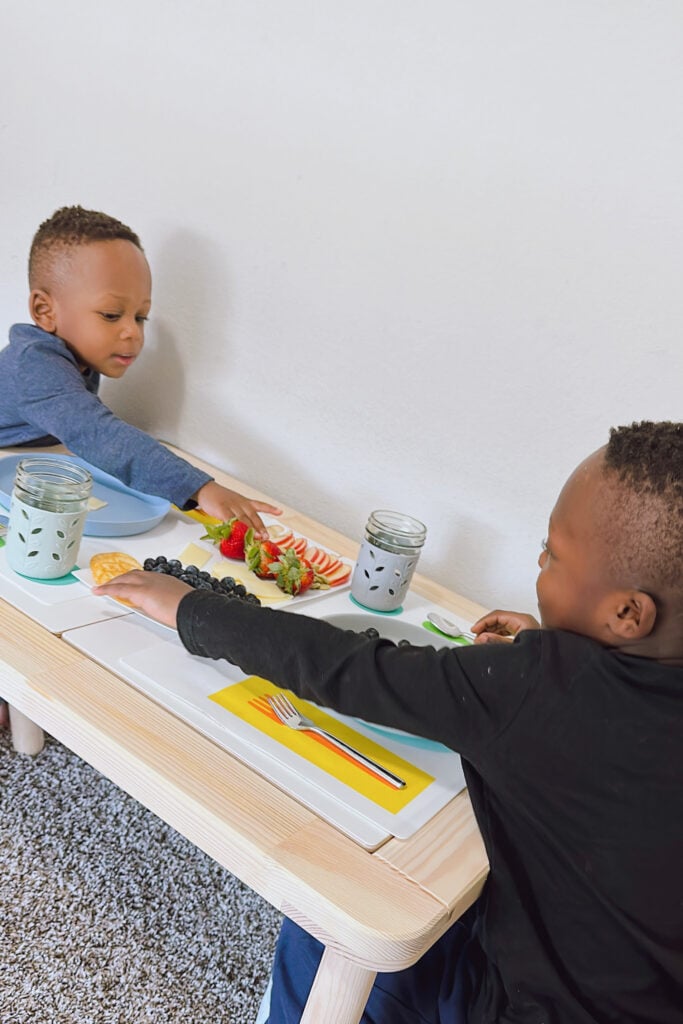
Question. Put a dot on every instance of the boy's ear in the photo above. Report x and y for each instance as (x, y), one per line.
(41, 308)
(633, 615)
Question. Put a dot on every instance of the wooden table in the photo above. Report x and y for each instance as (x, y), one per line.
(376, 911)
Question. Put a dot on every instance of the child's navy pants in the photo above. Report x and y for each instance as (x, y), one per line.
(432, 991)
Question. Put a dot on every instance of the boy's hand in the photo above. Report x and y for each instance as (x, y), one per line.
(154, 594)
(499, 627)
(225, 504)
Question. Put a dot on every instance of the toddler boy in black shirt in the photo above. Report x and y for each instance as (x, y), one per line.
(572, 745)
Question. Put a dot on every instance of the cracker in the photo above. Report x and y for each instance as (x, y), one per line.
(109, 564)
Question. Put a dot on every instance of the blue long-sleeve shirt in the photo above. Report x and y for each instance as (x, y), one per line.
(43, 394)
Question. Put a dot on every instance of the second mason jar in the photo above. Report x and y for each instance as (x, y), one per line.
(386, 560)
(46, 517)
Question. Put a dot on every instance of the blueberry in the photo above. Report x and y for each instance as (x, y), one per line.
(371, 632)
(161, 560)
(240, 590)
(148, 564)
(175, 564)
(403, 643)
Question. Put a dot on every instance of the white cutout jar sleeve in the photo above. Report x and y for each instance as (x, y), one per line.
(47, 514)
(387, 558)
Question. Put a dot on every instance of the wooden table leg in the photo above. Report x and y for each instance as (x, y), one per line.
(339, 993)
(27, 737)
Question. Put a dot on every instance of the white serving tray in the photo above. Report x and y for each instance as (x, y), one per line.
(58, 606)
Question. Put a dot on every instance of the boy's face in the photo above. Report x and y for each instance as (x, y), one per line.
(99, 303)
(573, 586)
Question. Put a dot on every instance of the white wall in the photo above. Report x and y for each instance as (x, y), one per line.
(406, 255)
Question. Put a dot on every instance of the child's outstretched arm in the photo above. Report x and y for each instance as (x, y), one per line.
(224, 504)
(499, 626)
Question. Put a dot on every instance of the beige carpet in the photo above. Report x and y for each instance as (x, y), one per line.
(108, 916)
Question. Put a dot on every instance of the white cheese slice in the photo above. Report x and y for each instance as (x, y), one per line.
(95, 503)
(194, 555)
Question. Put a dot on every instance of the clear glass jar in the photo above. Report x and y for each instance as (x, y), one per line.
(46, 517)
(395, 532)
(386, 560)
(53, 485)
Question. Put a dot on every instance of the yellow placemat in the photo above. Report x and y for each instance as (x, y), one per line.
(248, 700)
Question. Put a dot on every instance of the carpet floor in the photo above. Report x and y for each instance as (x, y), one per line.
(109, 916)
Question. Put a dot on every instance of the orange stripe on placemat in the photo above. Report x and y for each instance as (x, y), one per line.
(248, 700)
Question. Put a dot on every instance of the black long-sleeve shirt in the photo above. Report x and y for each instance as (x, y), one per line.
(573, 755)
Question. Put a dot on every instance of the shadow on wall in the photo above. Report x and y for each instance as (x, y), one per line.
(167, 395)
(189, 282)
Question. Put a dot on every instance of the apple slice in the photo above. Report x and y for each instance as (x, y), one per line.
(338, 576)
(334, 564)
(281, 535)
(321, 559)
(299, 545)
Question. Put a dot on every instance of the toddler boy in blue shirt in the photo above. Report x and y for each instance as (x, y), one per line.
(91, 290)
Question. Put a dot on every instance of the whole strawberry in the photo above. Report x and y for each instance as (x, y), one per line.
(229, 537)
(261, 555)
(295, 575)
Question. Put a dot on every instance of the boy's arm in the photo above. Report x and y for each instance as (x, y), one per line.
(462, 697)
(53, 397)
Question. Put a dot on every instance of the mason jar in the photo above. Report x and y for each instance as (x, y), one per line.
(386, 560)
(46, 517)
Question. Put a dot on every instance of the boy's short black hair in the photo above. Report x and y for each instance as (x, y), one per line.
(646, 528)
(68, 227)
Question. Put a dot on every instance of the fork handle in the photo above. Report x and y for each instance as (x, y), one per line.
(393, 780)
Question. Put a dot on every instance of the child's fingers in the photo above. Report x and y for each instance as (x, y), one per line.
(493, 622)
(504, 623)
(263, 506)
(248, 512)
(493, 638)
(155, 594)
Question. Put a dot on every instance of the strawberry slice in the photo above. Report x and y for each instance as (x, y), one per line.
(229, 536)
(260, 555)
(293, 574)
